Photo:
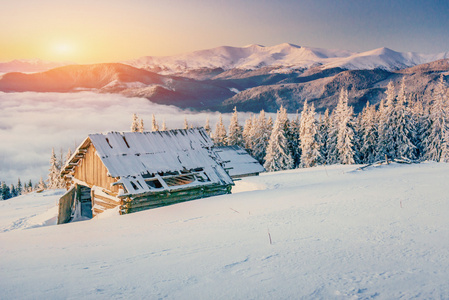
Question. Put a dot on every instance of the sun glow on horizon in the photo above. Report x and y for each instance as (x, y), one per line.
(63, 50)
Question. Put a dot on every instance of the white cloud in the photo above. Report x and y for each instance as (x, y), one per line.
(32, 123)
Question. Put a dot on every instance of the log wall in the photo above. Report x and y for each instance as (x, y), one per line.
(164, 198)
(92, 171)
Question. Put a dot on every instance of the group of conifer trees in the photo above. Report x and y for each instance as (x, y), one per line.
(10, 191)
(398, 128)
(54, 180)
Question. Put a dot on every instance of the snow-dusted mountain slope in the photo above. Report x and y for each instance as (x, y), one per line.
(29, 65)
(320, 233)
(285, 56)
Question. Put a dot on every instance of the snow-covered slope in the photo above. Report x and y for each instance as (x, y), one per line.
(320, 233)
(29, 65)
(284, 56)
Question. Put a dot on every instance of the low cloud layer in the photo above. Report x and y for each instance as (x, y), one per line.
(31, 124)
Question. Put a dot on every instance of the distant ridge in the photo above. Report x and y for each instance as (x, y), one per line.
(250, 78)
(284, 56)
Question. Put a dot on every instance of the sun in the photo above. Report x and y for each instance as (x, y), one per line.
(63, 50)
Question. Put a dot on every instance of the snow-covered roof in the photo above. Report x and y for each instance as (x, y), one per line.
(237, 161)
(163, 160)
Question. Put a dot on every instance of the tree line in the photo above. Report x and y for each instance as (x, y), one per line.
(399, 127)
(54, 180)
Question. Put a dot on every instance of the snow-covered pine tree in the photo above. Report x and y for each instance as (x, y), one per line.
(29, 187)
(247, 134)
(260, 135)
(309, 137)
(67, 156)
(421, 121)
(293, 140)
(323, 129)
(164, 126)
(41, 185)
(405, 130)
(53, 175)
(135, 124)
(368, 134)
(343, 123)
(5, 192)
(220, 138)
(386, 145)
(436, 142)
(235, 131)
(141, 126)
(278, 156)
(19, 187)
(207, 126)
(186, 124)
(332, 153)
(13, 191)
(154, 125)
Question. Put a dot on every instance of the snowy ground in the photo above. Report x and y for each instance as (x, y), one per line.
(335, 233)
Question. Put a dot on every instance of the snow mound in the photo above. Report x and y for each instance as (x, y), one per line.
(30, 210)
(330, 232)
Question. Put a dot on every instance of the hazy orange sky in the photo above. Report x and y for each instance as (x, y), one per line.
(88, 31)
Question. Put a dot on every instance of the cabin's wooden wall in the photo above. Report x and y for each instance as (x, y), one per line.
(92, 171)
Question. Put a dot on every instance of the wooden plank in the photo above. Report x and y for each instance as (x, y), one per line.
(65, 206)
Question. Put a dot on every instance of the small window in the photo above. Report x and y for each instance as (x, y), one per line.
(180, 180)
(153, 184)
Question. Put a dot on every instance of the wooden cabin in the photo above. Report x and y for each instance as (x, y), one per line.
(238, 162)
(135, 171)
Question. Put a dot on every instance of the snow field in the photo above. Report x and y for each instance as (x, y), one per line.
(336, 233)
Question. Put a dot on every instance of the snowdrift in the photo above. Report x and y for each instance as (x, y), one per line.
(324, 233)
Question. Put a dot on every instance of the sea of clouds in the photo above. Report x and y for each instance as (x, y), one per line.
(31, 124)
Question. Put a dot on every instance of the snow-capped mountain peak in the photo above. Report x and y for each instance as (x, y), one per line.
(283, 56)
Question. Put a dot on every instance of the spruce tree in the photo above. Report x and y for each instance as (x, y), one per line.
(154, 125)
(309, 137)
(235, 131)
(135, 124)
(207, 126)
(422, 124)
(186, 124)
(343, 131)
(41, 185)
(19, 187)
(247, 134)
(53, 175)
(164, 126)
(278, 156)
(220, 138)
(293, 140)
(13, 191)
(323, 128)
(260, 135)
(386, 146)
(436, 142)
(405, 131)
(368, 134)
(5, 192)
(141, 126)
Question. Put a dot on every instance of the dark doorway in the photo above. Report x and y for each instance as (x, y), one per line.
(85, 200)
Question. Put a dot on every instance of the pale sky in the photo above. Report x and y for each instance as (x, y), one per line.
(89, 31)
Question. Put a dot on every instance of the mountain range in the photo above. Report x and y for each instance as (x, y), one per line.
(251, 78)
